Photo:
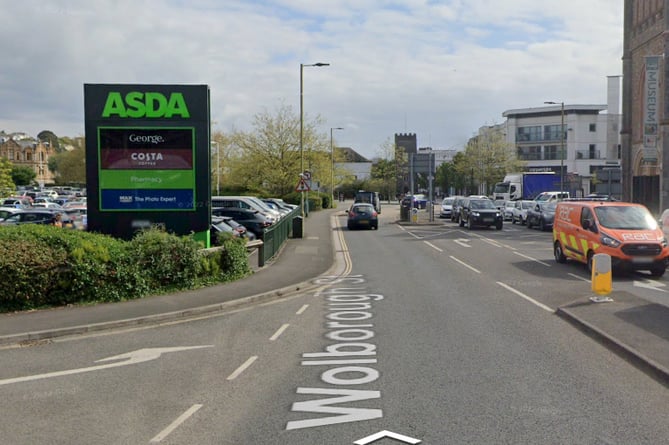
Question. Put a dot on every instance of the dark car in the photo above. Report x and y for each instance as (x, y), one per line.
(362, 215)
(30, 216)
(542, 215)
(480, 212)
(253, 220)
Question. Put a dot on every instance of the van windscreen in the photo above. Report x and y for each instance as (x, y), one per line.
(625, 217)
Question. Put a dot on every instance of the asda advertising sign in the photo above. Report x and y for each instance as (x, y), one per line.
(148, 158)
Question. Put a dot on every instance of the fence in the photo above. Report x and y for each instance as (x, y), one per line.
(275, 235)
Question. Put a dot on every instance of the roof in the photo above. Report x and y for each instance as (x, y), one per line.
(554, 109)
(350, 155)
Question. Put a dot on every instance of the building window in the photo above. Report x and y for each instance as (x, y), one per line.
(10, 155)
(551, 152)
(527, 134)
(531, 153)
(593, 128)
(552, 133)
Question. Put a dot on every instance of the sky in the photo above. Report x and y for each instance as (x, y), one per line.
(438, 68)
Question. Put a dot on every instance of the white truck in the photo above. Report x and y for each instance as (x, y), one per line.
(525, 185)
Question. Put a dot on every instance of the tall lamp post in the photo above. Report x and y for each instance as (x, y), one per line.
(332, 166)
(302, 65)
(562, 133)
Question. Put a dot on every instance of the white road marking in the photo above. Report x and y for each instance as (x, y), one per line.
(465, 264)
(302, 309)
(433, 246)
(463, 242)
(129, 358)
(385, 433)
(528, 298)
(279, 332)
(533, 259)
(242, 368)
(181, 419)
(578, 277)
(493, 242)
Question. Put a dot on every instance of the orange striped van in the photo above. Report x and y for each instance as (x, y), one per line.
(627, 232)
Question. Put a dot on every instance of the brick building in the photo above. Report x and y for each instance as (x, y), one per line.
(22, 150)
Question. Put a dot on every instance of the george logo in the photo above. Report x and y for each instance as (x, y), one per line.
(136, 104)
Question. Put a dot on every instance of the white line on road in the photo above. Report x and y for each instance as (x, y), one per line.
(279, 332)
(181, 419)
(465, 264)
(533, 259)
(530, 299)
(578, 277)
(433, 246)
(462, 242)
(302, 309)
(242, 368)
(493, 242)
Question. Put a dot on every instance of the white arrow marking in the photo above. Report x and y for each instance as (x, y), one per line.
(385, 433)
(129, 358)
(654, 285)
(463, 242)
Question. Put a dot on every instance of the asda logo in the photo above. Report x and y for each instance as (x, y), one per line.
(136, 104)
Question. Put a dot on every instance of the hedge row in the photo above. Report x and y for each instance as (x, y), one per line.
(46, 266)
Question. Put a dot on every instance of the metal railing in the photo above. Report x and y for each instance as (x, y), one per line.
(275, 235)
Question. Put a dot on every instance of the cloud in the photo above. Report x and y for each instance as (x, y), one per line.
(441, 69)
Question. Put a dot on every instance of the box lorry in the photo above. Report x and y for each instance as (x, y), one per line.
(525, 185)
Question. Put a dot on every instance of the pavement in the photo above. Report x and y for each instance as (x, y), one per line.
(635, 328)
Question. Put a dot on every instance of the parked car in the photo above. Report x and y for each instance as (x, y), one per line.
(6, 212)
(480, 212)
(17, 202)
(253, 220)
(508, 210)
(420, 201)
(220, 225)
(30, 216)
(244, 202)
(362, 215)
(446, 207)
(542, 214)
(520, 211)
(457, 205)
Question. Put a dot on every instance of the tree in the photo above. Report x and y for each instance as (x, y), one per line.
(22, 175)
(50, 138)
(69, 167)
(269, 157)
(487, 158)
(7, 186)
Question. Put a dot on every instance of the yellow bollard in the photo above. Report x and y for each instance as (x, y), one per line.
(414, 215)
(601, 277)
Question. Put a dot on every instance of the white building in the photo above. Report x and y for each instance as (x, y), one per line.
(590, 139)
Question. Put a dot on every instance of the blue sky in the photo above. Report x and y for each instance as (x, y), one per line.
(440, 68)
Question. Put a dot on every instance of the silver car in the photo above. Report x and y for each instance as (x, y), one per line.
(446, 207)
(519, 214)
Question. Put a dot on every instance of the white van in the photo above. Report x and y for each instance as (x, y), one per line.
(551, 196)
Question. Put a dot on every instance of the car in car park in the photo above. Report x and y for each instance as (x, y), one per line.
(420, 201)
(17, 202)
(253, 220)
(520, 211)
(220, 225)
(31, 216)
(446, 207)
(542, 215)
(244, 202)
(362, 215)
(480, 212)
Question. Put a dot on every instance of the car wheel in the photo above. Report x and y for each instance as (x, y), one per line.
(558, 253)
(529, 223)
(589, 261)
(375, 227)
(349, 226)
(513, 220)
(469, 223)
(461, 222)
(499, 225)
(521, 221)
(657, 271)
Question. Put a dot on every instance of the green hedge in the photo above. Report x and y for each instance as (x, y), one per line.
(43, 266)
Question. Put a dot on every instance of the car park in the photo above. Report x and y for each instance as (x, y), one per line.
(362, 215)
(244, 202)
(446, 207)
(17, 202)
(541, 214)
(480, 212)
(520, 211)
(625, 231)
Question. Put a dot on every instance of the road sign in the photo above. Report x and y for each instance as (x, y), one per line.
(306, 175)
(302, 186)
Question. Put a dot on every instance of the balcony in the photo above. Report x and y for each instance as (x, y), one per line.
(587, 154)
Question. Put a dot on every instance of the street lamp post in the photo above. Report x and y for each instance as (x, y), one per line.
(332, 166)
(302, 65)
(562, 133)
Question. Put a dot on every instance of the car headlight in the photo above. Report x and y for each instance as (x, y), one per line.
(609, 241)
(497, 215)
(663, 241)
(476, 214)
